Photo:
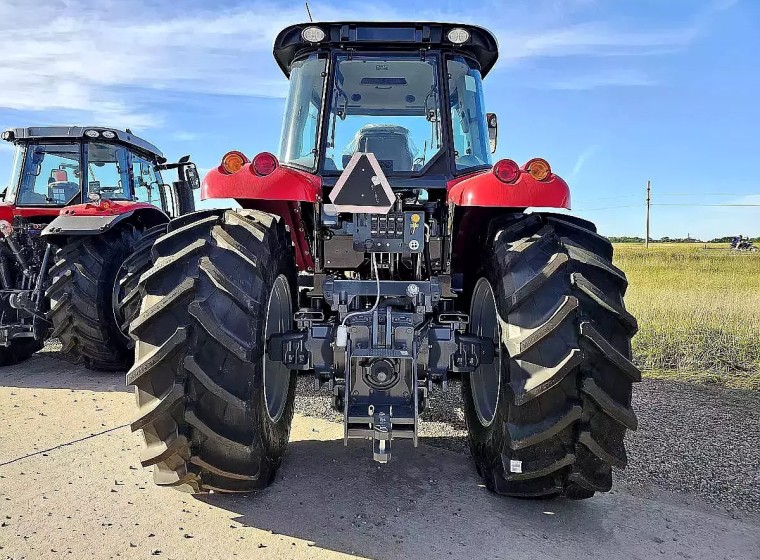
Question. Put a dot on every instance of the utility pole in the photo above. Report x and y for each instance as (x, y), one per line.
(649, 188)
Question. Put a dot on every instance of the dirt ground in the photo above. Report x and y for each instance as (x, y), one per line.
(71, 486)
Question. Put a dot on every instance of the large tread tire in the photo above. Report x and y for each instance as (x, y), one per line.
(566, 372)
(128, 291)
(136, 264)
(81, 297)
(19, 351)
(199, 346)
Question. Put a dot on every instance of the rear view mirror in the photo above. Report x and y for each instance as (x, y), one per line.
(493, 130)
(191, 176)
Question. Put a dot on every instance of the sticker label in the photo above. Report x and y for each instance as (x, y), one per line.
(515, 466)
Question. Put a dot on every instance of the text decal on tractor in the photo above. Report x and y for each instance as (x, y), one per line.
(384, 252)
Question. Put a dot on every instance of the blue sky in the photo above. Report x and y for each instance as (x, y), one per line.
(612, 93)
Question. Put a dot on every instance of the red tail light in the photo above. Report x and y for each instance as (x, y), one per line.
(507, 171)
(264, 164)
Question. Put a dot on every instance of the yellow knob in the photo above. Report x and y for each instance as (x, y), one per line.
(415, 218)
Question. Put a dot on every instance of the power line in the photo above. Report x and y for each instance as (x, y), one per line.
(695, 195)
(608, 208)
(707, 194)
(704, 205)
(683, 204)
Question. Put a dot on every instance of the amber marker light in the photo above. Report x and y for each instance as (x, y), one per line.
(232, 162)
(539, 169)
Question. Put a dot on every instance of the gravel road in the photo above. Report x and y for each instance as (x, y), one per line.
(693, 440)
(71, 486)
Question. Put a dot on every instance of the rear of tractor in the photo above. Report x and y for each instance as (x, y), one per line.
(80, 201)
(384, 253)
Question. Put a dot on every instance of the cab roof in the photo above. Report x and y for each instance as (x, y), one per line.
(386, 36)
(35, 133)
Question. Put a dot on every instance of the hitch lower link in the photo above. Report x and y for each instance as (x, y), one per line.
(374, 364)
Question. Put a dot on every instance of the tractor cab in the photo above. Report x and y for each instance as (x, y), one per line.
(61, 166)
(411, 94)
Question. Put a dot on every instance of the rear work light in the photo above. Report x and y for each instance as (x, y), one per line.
(539, 169)
(313, 34)
(458, 36)
(507, 171)
(264, 164)
(232, 162)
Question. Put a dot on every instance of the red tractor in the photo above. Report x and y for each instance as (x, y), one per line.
(79, 202)
(383, 252)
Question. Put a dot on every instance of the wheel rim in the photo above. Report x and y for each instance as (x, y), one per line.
(276, 374)
(485, 381)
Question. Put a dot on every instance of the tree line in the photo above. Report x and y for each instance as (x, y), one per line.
(726, 239)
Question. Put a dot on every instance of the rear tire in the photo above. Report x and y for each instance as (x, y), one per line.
(82, 305)
(560, 390)
(214, 412)
(127, 292)
(20, 350)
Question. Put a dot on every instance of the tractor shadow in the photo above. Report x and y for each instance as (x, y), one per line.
(50, 369)
(425, 503)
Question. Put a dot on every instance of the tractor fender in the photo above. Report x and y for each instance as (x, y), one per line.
(486, 190)
(284, 183)
(97, 218)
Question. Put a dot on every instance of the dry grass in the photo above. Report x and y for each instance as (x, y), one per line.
(698, 309)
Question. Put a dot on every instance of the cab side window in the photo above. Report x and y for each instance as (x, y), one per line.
(147, 185)
(107, 171)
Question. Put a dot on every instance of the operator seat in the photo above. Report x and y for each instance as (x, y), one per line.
(60, 189)
(389, 143)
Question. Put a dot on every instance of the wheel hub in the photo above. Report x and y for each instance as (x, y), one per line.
(276, 374)
(485, 381)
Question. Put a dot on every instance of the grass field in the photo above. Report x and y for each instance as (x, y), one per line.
(698, 308)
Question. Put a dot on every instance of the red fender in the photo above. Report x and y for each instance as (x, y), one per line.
(94, 218)
(8, 211)
(105, 207)
(284, 183)
(485, 189)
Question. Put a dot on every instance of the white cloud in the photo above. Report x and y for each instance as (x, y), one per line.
(593, 39)
(93, 59)
(584, 156)
(184, 136)
(611, 78)
(103, 61)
